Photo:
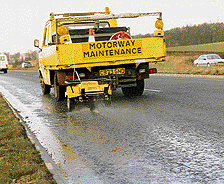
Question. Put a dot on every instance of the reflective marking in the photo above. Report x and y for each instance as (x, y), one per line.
(140, 61)
(154, 90)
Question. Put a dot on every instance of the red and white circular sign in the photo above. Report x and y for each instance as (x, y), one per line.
(120, 36)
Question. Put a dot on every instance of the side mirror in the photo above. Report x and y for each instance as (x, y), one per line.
(36, 43)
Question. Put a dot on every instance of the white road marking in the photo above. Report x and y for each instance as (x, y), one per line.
(154, 90)
(49, 166)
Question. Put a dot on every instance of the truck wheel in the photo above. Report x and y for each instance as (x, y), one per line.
(5, 71)
(139, 89)
(134, 91)
(46, 89)
(128, 91)
(59, 91)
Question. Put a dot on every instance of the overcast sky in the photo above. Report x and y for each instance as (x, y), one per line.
(22, 21)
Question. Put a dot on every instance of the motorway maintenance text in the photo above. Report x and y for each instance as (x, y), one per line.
(112, 48)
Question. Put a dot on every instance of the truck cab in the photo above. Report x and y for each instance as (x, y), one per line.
(3, 63)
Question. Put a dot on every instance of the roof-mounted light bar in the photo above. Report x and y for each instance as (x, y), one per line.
(94, 16)
(107, 11)
(77, 14)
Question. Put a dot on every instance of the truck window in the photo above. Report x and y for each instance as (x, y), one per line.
(48, 35)
(44, 37)
(47, 39)
(53, 39)
(79, 32)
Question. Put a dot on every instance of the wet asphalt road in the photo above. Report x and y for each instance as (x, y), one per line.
(174, 133)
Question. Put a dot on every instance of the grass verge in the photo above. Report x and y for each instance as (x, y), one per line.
(185, 65)
(20, 162)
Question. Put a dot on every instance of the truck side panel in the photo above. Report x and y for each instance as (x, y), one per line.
(48, 56)
(45, 75)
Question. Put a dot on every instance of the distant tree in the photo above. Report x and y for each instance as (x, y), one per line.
(16, 57)
(197, 34)
(192, 35)
(31, 55)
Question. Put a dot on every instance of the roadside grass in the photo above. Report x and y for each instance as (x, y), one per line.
(20, 162)
(182, 58)
(184, 65)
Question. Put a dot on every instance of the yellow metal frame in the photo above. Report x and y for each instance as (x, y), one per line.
(91, 88)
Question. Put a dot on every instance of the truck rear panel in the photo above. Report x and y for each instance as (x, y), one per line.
(92, 54)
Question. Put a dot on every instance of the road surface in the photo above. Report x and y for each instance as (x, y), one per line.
(173, 133)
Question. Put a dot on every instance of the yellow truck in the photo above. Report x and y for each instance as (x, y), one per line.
(87, 55)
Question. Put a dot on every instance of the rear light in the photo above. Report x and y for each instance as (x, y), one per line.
(139, 76)
(152, 70)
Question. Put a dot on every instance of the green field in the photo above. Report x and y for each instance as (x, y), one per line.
(211, 47)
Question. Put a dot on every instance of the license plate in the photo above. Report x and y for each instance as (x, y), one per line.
(112, 71)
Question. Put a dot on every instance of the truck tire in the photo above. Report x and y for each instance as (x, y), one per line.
(59, 91)
(128, 91)
(5, 71)
(46, 89)
(134, 91)
(139, 89)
